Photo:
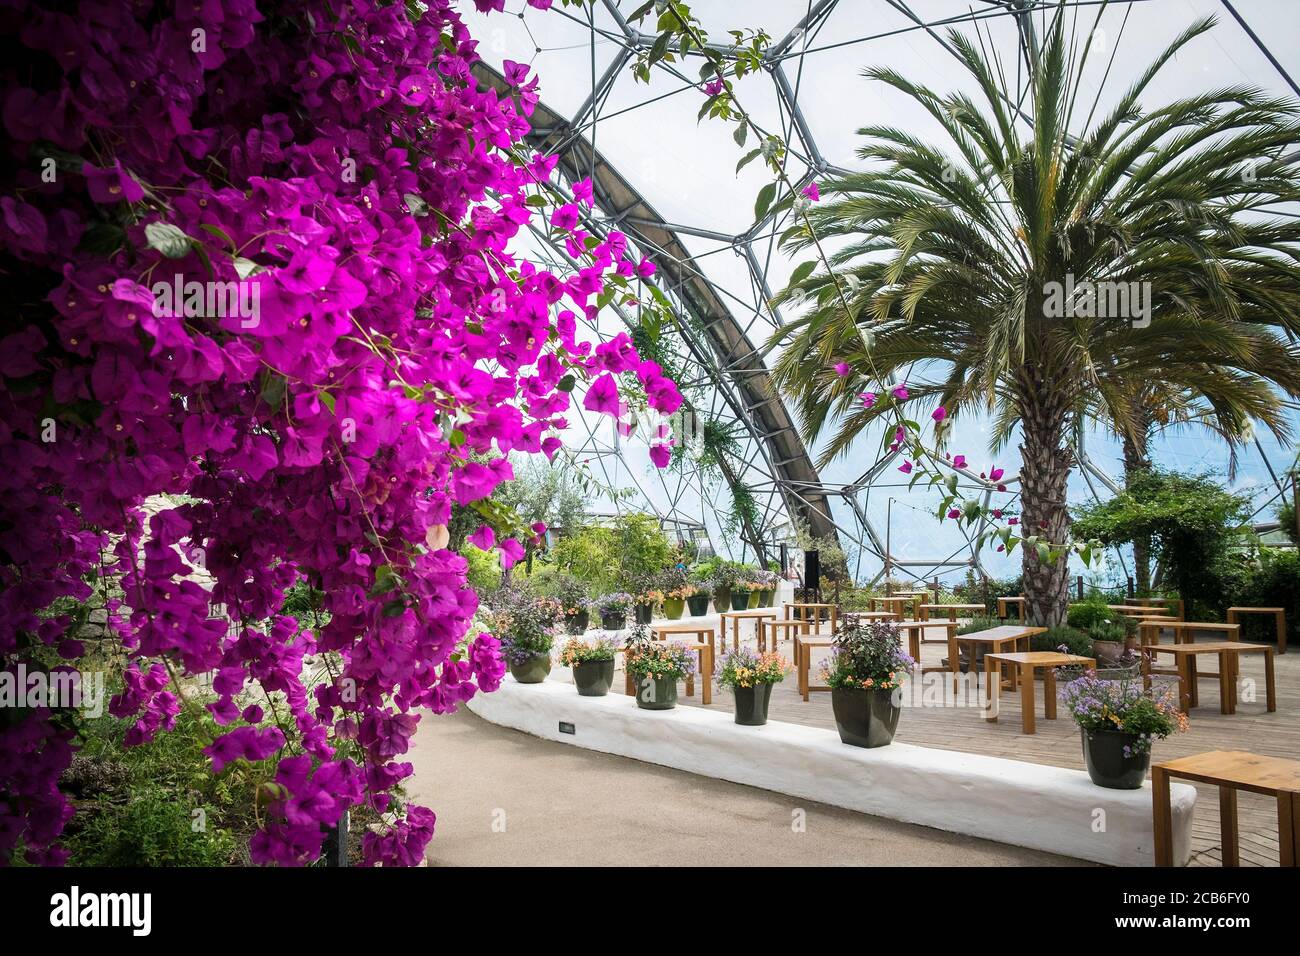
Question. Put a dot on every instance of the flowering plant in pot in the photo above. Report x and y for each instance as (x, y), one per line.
(656, 667)
(645, 604)
(701, 586)
(1118, 721)
(721, 581)
(613, 609)
(866, 668)
(766, 582)
(572, 595)
(750, 676)
(592, 663)
(741, 586)
(527, 628)
(676, 590)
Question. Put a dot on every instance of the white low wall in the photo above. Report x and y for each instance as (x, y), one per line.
(1024, 804)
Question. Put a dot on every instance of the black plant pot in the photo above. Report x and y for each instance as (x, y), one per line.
(644, 612)
(655, 693)
(751, 704)
(593, 678)
(1103, 753)
(533, 670)
(613, 622)
(739, 600)
(577, 623)
(865, 718)
(699, 604)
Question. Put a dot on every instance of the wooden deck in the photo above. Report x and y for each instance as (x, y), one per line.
(1057, 741)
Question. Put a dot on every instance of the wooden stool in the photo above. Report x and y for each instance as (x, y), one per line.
(791, 628)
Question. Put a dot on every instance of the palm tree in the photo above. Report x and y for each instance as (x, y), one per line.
(950, 263)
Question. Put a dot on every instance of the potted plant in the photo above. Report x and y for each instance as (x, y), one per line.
(656, 667)
(527, 628)
(767, 582)
(572, 595)
(721, 581)
(697, 600)
(865, 669)
(750, 677)
(592, 663)
(1117, 721)
(645, 605)
(740, 589)
(613, 609)
(675, 590)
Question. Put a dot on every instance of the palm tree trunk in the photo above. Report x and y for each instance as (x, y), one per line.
(1044, 472)
(1136, 460)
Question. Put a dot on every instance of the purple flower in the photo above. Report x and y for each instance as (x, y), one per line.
(842, 369)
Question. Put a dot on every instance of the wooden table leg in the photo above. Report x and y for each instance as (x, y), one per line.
(805, 656)
(1184, 680)
(1194, 691)
(1288, 828)
(992, 687)
(1162, 817)
(1026, 697)
(1270, 683)
(1228, 825)
(914, 644)
(1281, 631)
(1226, 682)
(706, 660)
(1049, 689)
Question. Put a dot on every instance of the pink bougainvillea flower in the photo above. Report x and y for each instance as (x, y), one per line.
(111, 184)
(1013, 521)
(842, 369)
(661, 453)
(645, 268)
(512, 552)
(868, 399)
(954, 512)
(602, 396)
(959, 461)
(995, 474)
(939, 414)
(812, 192)
(997, 513)
(566, 217)
(899, 392)
(905, 467)
(713, 87)
(483, 538)
(582, 192)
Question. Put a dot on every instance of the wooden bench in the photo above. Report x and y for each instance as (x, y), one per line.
(1279, 615)
(1230, 771)
(1229, 653)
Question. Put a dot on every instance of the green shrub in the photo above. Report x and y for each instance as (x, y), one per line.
(1272, 581)
(982, 624)
(1074, 640)
(152, 828)
(1091, 613)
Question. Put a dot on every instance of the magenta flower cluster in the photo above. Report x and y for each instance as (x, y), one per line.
(338, 163)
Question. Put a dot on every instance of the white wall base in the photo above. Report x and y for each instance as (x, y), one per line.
(1023, 804)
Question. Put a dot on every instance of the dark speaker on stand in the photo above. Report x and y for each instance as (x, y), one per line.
(812, 575)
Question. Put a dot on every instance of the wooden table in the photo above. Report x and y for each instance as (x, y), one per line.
(952, 609)
(1005, 602)
(704, 652)
(898, 603)
(1230, 771)
(701, 633)
(1025, 662)
(915, 633)
(790, 627)
(1173, 605)
(736, 617)
(851, 617)
(1149, 630)
(993, 639)
(1279, 615)
(803, 645)
(1229, 653)
(804, 607)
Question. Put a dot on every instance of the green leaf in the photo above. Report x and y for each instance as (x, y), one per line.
(170, 240)
(327, 399)
(802, 271)
(273, 389)
(220, 234)
(764, 200)
(418, 207)
(247, 267)
(566, 384)
(742, 130)
(747, 159)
